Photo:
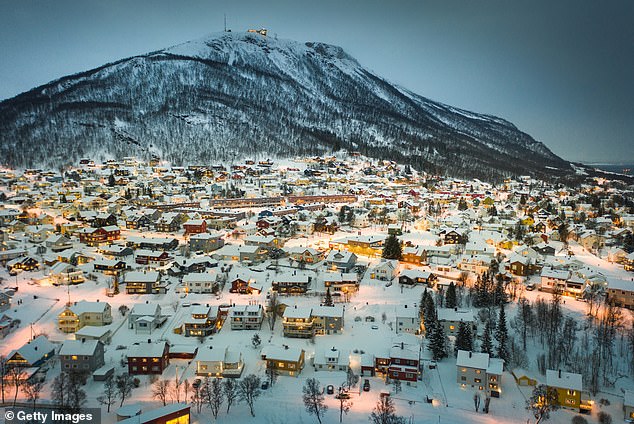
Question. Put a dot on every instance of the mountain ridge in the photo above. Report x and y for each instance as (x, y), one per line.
(237, 93)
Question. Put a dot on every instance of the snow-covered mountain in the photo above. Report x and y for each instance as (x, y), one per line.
(245, 94)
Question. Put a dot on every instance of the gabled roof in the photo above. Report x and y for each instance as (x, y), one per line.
(564, 380)
(477, 360)
(79, 347)
(34, 350)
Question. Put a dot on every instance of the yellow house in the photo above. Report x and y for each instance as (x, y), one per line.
(569, 388)
(84, 313)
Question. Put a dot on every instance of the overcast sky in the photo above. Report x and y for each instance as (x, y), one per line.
(562, 71)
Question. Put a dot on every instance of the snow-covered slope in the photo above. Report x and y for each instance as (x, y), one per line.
(239, 93)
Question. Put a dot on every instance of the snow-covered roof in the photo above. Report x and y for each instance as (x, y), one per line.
(564, 380)
(34, 350)
(477, 360)
(298, 312)
(281, 353)
(628, 398)
(450, 314)
(142, 276)
(147, 350)
(618, 284)
(83, 307)
(335, 311)
(79, 347)
(91, 331)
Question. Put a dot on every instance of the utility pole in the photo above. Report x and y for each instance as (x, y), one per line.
(225, 22)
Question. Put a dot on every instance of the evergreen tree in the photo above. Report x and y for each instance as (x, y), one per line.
(450, 297)
(423, 302)
(499, 294)
(328, 300)
(430, 313)
(487, 343)
(464, 339)
(111, 180)
(502, 335)
(462, 205)
(392, 248)
(437, 343)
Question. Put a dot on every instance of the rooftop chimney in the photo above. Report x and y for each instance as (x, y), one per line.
(149, 340)
(470, 354)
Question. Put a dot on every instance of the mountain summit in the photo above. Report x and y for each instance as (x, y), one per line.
(244, 94)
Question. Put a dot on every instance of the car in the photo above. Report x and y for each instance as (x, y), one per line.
(196, 384)
(375, 327)
(342, 395)
(330, 389)
(265, 385)
(366, 385)
(186, 305)
(432, 365)
(530, 287)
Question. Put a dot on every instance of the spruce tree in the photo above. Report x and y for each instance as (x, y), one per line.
(487, 343)
(464, 338)
(450, 297)
(437, 342)
(328, 300)
(392, 248)
(499, 294)
(502, 335)
(111, 180)
(423, 302)
(430, 313)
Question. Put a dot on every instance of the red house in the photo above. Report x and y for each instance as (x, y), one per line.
(404, 364)
(148, 358)
(151, 257)
(195, 226)
(97, 236)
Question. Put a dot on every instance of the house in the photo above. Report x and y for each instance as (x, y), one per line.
(195, 226)
(203, 321)
(407, 319)
(328, 319)
(404, 363)
(411, 277)
(451, 319)
(148, 358)
(81, 356)
(168, 223)
(175, 413)
(454, 237)
(414, 255)
(104, 219)
(108, 266)
(145, 317)
(155, 243)
(203, 282)
(154, 258)
(245, 254)
(331, 360)
(478, 264)
(238, 285)
(569, 387)
(521, 265)
(343, 261)
(246, 317)
(554, 279)
(32, 354)
(146, 282)
(385, 270)
(345, 282)
(478, 370)
(620, 293)
(219, 361)
(58, 242)
(5, 302)
(26, 263)
(63, 273)
(101, 235)
(284, 360)
(90, 332)
(291, 284)
(206, 242)
(307, 255)
(83, 313)
(298, 322)
(267, 242)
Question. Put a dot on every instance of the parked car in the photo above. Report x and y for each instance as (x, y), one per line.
(330, 389)
(265, 385)
(375, 327)
(196, 383)
(530, 287)
(366, 385)
(342, 395)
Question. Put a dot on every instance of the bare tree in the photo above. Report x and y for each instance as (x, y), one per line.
(109, 396)
(15, 376)
(175, 390)
(32, 390)
(124, 384)
(542, 402)
(214, 395)
(197, 398)
(160, 390)
(344, 406)
(186, 389)
(249, 390)
(351, 378)
(314, 399)
(59, 389)
(476, 401)
(385, 413)
(271, 373)
(230, 390)
(4, 370)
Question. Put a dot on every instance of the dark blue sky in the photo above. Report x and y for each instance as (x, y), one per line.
(562, 71)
